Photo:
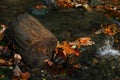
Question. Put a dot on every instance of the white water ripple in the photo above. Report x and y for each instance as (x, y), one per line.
(107, 49)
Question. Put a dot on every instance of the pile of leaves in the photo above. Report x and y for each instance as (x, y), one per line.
(109, 29)
(65, 51)
(111, 8)
(70, 3)
(10, 60)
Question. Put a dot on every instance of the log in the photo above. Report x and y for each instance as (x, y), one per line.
(32, 40)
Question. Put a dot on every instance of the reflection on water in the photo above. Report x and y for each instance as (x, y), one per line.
(107, 49)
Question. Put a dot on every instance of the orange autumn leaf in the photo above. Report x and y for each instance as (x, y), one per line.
(65, 3)
(110, 29)
(77, 53)
(76, 66)
(2, 61)
(67, 49)
(85, 41)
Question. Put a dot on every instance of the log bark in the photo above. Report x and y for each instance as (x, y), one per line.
(32, 40)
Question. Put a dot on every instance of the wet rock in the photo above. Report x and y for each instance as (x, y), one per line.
(95, 2)
(39, 13)
(32, 40)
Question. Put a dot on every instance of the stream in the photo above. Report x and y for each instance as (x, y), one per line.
(68, 25)
(107, 48)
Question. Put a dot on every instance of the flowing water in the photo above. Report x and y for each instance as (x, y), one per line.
(107, 48)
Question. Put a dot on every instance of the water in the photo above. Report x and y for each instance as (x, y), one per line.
(115, 21)
(107, 48)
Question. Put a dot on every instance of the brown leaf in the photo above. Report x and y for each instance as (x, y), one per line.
(50, 63)
(76, 66)
(2, 61)
(110, 29)
(67, 49)
(25, 75)
(85, 41)
(65, 3)
(77, 53)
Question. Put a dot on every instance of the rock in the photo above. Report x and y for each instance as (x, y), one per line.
(39, 13)
(96, 2)
(32, 40)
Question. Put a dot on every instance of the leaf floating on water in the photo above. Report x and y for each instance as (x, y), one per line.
(67, 49)
(99, 31)
(110, 29)
(85, 41)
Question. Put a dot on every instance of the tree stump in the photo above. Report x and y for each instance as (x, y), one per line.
(32, 40)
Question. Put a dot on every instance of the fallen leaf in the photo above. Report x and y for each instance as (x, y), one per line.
(2, 61)
(50, 63)
(85, 41)
(110, 29)
(25, 75)
(67, 49)
(76, 66)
